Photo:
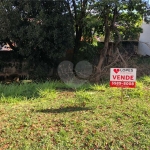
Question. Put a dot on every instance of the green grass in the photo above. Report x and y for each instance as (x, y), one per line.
(50, 115)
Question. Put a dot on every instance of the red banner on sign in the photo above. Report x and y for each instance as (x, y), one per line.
(124, 84)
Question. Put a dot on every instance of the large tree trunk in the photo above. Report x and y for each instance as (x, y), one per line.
(78, 38)
(109, 26)
(102, 55)
(79, 24)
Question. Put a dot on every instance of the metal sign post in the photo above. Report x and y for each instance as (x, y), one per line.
(121, 95)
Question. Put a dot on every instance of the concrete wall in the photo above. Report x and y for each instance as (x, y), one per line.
(144, 40)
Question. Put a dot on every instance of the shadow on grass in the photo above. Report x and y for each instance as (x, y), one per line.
(64, 110)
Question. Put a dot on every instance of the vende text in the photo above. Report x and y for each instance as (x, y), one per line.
(123, 77)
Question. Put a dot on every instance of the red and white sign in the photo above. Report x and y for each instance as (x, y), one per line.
(123, 77)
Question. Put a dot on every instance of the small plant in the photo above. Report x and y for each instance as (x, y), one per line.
(47, 93)
(145, 80)
(99, 87)
(83, 97)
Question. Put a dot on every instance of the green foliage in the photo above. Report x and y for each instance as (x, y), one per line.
(127, 14)
(117, 18)
(42, 30)
(130, 25)
(87, 51)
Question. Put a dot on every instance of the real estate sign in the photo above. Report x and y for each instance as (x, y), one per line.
(123, 77)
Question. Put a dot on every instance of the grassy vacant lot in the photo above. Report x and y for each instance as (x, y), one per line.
(51, 116)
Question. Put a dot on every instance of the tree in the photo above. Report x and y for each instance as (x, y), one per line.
(78, 11)
(124, 13)
(47, 27)
(42, 30)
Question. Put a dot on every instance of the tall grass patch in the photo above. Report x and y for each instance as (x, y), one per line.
(27, 91)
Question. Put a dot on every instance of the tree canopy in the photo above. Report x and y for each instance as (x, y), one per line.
(39, 28)
(43, 30)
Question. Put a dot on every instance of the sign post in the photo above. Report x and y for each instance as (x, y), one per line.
(123, 78)
(121, 95)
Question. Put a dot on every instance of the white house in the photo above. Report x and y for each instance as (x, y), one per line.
(144, 40)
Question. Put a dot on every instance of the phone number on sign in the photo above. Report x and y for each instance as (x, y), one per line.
(122, 83)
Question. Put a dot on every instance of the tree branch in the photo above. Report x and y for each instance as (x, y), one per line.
(68, 7)
(115, 12)
(125, 64)
(75, 9)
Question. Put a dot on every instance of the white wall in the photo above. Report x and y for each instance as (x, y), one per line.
(144, 40)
